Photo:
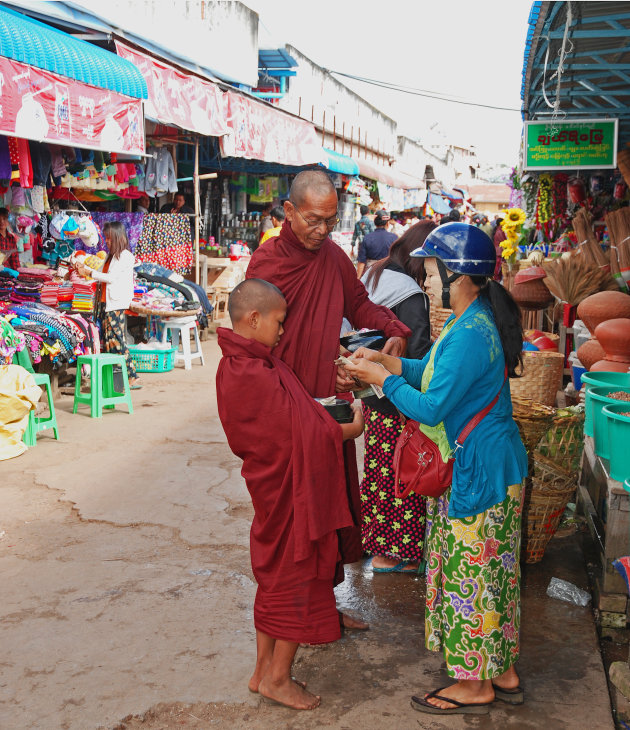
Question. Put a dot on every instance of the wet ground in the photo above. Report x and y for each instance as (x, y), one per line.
(127, 594)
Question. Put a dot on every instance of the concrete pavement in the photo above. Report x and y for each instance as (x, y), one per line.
(127, 593)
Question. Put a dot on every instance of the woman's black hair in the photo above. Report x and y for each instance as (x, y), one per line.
(507, 317)
(399, 252)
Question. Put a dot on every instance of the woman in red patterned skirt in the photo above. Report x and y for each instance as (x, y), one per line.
(393, 529)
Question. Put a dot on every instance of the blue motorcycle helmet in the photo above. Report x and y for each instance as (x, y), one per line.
(459, 248)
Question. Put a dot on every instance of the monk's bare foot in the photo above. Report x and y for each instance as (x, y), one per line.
(254, 683)
(288, 693)
(382, 562)
(468, 693)
(352, 623)
(508, 680)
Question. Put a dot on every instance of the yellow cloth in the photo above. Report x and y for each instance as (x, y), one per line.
(18, 397)
(271, 233)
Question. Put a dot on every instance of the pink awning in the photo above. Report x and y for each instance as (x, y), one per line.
(386, 175)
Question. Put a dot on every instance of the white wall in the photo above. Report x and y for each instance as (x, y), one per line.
(317, 96)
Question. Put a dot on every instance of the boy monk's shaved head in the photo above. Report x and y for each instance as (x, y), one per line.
(254, 295)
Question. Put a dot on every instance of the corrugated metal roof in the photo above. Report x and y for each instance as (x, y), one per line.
(595, 81)
(29, 41)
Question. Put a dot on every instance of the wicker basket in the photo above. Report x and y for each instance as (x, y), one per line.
(564, 441)
(542, 377)
(533, 420)
(438, 317)
(547, 494)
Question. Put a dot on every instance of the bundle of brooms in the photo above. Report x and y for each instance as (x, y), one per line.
(618, 223)
(574, 278)
(588, 245)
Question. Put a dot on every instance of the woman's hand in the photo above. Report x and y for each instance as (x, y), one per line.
(367, 371)
(367, 354)
(355, 429)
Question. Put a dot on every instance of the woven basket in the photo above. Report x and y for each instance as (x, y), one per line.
(542, 377)
(438, 317)
(547, 494)
(564, 441)
(533, 420)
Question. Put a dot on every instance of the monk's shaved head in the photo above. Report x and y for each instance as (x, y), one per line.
(314, 182)
(254, 295)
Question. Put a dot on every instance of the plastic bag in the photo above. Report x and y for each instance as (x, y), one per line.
(565, 591)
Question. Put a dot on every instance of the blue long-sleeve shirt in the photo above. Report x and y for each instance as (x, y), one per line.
(468, 371)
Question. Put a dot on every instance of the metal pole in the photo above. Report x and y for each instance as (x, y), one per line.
(197, 206)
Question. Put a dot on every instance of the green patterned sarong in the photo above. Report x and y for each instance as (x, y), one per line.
(473, 587)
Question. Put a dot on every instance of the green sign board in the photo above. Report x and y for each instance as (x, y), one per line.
(586, 144)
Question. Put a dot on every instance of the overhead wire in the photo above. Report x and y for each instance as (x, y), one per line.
(421, 92)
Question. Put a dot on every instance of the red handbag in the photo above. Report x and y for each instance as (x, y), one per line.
(418, 463)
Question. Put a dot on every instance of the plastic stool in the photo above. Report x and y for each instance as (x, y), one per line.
(49, 421)
(180, 328)
(23, 359)
(30, 435)
(102, 393)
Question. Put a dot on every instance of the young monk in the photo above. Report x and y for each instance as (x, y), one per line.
(293, 466)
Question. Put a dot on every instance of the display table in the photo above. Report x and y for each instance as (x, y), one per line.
(606, 506)
(219, 291)
(210, 268)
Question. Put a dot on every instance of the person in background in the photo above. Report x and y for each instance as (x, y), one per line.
(392, 530)
(486, 227)
(277, 218)
(473, 605)
(8, 242)
(452, 217)
(375, 245)
(396, 227)
(144, 203)
(499, 236)
(177, 206)
(115, 293)
(265, 220)
(362, 227)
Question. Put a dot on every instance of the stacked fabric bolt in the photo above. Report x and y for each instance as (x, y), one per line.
(50, 293)
(139, 291)
(65, 295)
(26, 290)
(83, 300)
(6, 288)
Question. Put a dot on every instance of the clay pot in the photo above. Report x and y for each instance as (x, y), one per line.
(590, 352)
(614, 337)
(532, 294)
(602, 306)
(610, 366)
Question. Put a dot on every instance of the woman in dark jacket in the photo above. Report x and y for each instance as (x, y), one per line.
(393, 529)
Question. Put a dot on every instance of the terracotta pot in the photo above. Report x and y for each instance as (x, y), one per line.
(610, 366)
(532, 294)
(614, 337)
(590, 352)
(602, 306)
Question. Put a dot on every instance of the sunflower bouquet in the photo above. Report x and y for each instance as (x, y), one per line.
(512, 224)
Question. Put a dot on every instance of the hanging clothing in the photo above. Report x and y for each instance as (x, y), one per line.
(166, 240)
(133, 223)
(298, 495)
(160, 175)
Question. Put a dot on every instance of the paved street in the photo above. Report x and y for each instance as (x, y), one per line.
(127, 593)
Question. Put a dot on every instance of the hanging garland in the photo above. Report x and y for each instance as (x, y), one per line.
(544, 212)
(560, 200)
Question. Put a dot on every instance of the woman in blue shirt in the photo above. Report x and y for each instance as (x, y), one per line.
(473, 549)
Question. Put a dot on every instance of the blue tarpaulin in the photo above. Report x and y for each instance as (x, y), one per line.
(340, 163)
(438, 204)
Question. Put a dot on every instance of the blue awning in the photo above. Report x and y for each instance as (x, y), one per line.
(438, 204)
(31, 42)
(275, 58)
(340, 163)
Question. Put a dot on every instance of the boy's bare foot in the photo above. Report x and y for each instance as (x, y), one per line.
(288, 693)
(254, 683)
(347, 622)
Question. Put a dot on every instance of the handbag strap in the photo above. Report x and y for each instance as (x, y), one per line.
(476, 420)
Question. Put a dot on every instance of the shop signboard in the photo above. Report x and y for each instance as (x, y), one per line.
(45, 107)
(580, 144)
(177, 98)
(260, 132)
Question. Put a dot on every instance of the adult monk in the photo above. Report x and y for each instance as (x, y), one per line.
(321, 287)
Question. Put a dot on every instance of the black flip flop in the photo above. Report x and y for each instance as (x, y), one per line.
(514, 696)
(460, 708)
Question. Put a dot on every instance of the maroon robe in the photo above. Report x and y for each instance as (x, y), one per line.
(293, 467)
(321, 288)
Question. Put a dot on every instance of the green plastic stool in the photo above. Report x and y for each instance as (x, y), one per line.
(30, 435)
(23, 359)
(43, 423)
(101, 394)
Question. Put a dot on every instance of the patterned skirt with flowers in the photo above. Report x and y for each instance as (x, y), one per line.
(389, 526)
(473, 607)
